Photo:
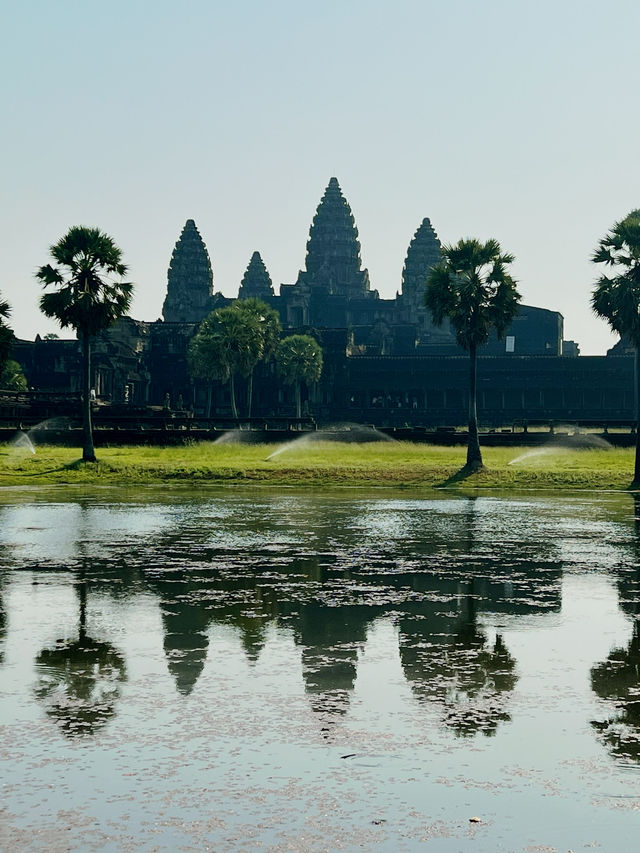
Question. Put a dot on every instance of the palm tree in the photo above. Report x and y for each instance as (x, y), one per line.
(617, 299)
(299, 359)
(229, 341)
(270, 328)
(89, 296)
(6, 335)
(472, 288)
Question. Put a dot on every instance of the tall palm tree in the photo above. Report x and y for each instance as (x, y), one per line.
(472, 288)
(89, 296)
(6, 335)
(299, 359)
(617, 298)
(228, 342)
(270, 328)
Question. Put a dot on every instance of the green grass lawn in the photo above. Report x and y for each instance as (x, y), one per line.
(317, 463)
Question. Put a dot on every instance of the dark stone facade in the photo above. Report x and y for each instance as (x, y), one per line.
(385, 362)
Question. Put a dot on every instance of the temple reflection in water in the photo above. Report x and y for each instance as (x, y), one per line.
(323, 576)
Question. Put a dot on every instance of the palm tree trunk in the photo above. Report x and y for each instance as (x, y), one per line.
(298, 401)
(232, 386)
(209, 399)
(474, 457)
(636, 473)
(82, 590)
(88, 452)
(249, 393)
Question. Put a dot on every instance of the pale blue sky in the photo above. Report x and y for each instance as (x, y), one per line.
(512, 120)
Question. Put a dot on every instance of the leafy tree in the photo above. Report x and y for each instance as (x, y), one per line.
(617, 298)
(299, 359)
(228, 342)
(473, 289)
(269, 325)
(6, 335)
(12, 377)
(89, 296)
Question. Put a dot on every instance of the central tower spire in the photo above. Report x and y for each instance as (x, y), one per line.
(333, 251)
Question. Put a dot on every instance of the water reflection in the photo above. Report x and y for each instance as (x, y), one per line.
(3, 620)
(79, 681)
(324, 569)
(331, 639)
(617, 679)
(447, 659)
(233, 647)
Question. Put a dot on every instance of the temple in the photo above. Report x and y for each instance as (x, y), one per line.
(424, 252)
(385, 362)
(256, 282)
(190, 279)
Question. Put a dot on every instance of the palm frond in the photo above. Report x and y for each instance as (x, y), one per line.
(89, 294)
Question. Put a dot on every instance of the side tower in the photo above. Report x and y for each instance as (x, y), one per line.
(333, 252)
(424, 252)
(256, 282)
(190, 279)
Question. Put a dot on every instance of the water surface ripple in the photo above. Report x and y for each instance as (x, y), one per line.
(240, 669)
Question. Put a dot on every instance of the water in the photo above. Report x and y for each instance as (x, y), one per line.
(28, 440)
(557, 446)
(296, 670)
(23, 441)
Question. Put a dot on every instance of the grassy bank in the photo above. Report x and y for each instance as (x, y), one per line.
(318, 463)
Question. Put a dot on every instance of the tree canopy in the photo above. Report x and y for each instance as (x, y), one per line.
(299, 359)
(88, 295)
(616, 297)
(12, 377)
(6, 334)
(228, 342)
(473, 289)
(269, 325)
(268, 322)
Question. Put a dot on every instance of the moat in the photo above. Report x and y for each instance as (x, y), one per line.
(284, 669)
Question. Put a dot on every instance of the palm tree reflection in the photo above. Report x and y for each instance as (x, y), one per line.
(79, 682)
(617, 679)
(3, 625)
(455, 666)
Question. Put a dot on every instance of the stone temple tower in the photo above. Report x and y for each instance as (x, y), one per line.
(422, 254)
(256, 282)
(190, 279)
(333, 252)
